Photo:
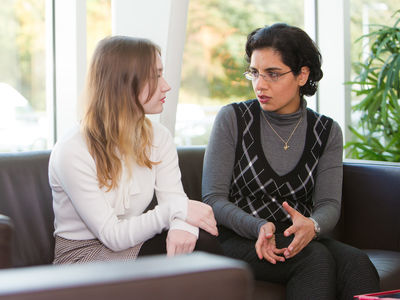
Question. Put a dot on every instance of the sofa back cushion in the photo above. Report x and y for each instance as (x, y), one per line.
(191, 166)
(371, 204)
(25, 196)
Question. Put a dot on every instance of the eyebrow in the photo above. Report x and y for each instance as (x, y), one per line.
(267, 69)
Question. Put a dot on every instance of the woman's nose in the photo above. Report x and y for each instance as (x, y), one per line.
(165, 86)
(260, 84)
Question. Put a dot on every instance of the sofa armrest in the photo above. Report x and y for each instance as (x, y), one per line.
(6, 231)
(190, 277)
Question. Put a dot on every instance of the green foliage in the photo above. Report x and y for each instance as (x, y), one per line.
(377, 136)
(214, 56)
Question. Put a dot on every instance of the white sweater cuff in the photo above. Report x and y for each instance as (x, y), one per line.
(178, 209)
(182, 225)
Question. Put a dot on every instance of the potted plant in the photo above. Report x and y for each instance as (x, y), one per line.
(377, 135)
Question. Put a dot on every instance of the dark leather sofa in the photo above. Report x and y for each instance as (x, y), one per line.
(370, 218)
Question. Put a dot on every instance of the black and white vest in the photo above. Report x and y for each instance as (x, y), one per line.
(255, 187)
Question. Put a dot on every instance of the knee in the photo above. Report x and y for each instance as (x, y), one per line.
(359, 262)
(316, 261)
(357, 275)
(362, 259)
(314, 274)
(317, 254)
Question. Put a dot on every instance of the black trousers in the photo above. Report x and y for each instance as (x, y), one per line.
(157, 244)
(324, 269)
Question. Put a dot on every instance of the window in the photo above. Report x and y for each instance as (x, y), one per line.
(213, 61)
(98, 22)
(26, 123)
(23, 118)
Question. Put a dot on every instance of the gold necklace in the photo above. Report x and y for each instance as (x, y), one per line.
(286, 146)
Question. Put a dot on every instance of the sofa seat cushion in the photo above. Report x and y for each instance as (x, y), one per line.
(387, 264)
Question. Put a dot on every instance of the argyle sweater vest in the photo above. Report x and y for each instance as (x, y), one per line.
(255, 187)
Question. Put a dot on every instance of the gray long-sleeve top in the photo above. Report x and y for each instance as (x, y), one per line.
(220, 158)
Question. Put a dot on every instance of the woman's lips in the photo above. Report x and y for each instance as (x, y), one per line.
(163, 100)
(263, 99)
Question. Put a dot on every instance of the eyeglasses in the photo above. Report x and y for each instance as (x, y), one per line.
(269, 76)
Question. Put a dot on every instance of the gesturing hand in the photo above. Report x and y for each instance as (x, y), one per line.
(266, 246)
(201, 215)
(302, 228)
(180, 242)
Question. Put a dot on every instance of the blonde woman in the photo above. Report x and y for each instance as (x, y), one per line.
(103, 173)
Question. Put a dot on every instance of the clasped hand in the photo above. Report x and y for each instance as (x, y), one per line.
(302, 228)
(200, 215)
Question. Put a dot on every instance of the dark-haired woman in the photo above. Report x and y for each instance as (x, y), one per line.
(273, 175)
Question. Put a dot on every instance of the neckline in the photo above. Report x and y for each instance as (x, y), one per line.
(278, 119)
(302, 159)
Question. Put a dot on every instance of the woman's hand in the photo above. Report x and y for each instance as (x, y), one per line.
(266, 246)
(201, 215)
(302, 228)
(180, 242)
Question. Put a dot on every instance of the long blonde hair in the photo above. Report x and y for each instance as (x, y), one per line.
(114, 122)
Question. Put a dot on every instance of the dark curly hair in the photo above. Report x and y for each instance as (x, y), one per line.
(296, 48)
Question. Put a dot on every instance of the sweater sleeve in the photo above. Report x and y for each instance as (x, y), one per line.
(328, 185)
(168, 184)
(217, 174)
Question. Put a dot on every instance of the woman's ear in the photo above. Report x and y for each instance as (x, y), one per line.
(303, 76)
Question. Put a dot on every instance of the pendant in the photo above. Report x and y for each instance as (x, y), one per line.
(285, 147)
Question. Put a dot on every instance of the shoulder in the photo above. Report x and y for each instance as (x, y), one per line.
(318, 116)
(251, 104)
(161, 134)
(226, 116)
(334, 125)
(159, 128)
(231, 111)
(321, 122)
(72, 142)
(227, 110)
(336, 134)
(71, 147)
